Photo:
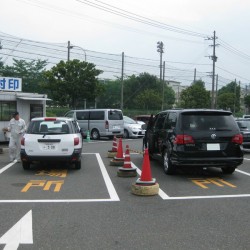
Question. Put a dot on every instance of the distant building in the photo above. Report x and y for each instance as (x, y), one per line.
(177, 88)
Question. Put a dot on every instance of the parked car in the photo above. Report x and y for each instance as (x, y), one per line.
(99, 122)
(52, 139)
(244, 125)
(196, 137)
(132, 129)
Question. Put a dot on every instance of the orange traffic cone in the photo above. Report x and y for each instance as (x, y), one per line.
(127, 170)
(118, 159)
(119, 155)
(113, 151)
(146, 185)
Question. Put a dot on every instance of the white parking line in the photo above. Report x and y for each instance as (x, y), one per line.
(111, 190)
(162, 194)
(7, 167)
(242, 172)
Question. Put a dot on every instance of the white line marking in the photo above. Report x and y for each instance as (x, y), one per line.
(242, 172)
(209, 197)
(20, 233)
(112, 192)
(7, 167)
(108, 182)
(162, 194)
(247, 159)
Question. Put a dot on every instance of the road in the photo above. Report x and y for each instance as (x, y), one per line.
(56, 207)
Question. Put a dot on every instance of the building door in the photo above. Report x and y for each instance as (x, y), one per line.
(36, 110)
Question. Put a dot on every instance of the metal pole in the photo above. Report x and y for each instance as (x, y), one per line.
(122, 76)
(194, 75)
(163, 86)
(216, 91)
(68, 58)
(235, 85)
(213, 76)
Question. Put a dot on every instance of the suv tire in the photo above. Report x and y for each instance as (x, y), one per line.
(26, 165)
(95, 135)
(228, 170)
(168, 167)
(78, 165)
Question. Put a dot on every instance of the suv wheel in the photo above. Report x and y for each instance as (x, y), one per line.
(168, 167)
(126, 134)
(26, 165)
(228, 170)
(78, 165)
(95, 134)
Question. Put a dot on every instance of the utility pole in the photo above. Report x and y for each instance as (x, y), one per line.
(216, 92)
(160, 47)
(163, 86)
(214, 59)
(69, 47)
(235, 85)
(194, 75)
(122, 76)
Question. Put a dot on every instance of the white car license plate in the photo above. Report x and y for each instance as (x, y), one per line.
(213, 146)
(49, 147)
(116, 127)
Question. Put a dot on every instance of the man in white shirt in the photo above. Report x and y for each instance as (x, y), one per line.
(16, 128)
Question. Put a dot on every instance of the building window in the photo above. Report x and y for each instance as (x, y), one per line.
(6, 110)
(36, 110)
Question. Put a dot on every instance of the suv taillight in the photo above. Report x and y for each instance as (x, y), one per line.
(76, 141)
(106, 125)
(23, 141)
(238, 139)
(183, 139)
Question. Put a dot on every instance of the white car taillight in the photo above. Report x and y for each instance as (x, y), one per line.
(23, 141)
(76, 141)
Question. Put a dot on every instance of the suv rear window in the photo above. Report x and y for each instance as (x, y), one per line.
(115, 115)
(208, 121)
(48, 127)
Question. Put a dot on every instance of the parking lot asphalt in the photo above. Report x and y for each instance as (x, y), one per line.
(59, 207)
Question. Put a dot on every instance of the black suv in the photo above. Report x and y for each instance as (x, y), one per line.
(196, 137)
(244, 125)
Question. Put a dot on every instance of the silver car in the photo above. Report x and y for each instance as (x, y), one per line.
(132, 129)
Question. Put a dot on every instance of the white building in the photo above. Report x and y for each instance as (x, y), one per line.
(178, 88)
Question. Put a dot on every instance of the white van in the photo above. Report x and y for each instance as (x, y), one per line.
(99, 122)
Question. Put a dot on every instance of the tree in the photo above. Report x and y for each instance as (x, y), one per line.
(226, 101)
(247, 101)
(111, 96)
(234, 90)
(69, 83)
(31, 73)
(135, 88)
(149, 99)
(195, 96)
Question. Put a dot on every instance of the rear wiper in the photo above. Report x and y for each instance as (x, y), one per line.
(44, 134)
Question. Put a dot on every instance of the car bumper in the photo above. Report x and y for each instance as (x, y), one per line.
(208, 162)
(76, 156)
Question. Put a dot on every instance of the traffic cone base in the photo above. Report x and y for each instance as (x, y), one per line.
(88, 137)
(111, 154)
(125, 172)
(142, 190)
(144, 183)
(114, 162)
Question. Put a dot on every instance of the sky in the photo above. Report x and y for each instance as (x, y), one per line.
(100, 36)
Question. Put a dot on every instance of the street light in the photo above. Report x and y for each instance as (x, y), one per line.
(74, 46)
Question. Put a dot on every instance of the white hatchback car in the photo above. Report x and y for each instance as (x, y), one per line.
(132, 129)
(52, 139)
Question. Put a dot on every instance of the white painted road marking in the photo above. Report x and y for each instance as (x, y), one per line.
(242, 172)
(20, 233)
(7, 167)
(110, 187)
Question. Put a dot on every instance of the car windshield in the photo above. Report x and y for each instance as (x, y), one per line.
(208, 121)
(244, 124)
(48, 127)
(129, 120)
